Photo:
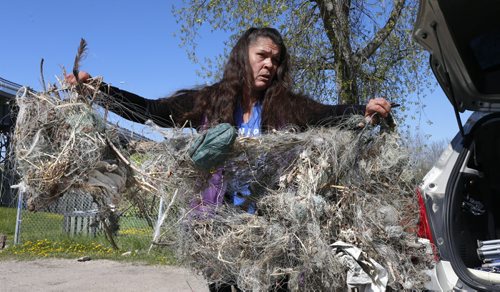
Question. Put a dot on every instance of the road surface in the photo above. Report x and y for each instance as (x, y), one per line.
(94, 275)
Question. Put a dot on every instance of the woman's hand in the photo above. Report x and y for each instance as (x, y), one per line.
(376, 108)
(82, 77)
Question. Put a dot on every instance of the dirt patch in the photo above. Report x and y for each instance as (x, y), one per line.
(95, 275)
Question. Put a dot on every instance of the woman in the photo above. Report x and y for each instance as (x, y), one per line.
(254, 95)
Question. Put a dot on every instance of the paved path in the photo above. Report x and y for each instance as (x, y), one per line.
(94, 275)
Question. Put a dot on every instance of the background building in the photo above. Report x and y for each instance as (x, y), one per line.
(8, 92)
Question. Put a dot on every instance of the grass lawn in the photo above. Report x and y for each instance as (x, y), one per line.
(8, 223)
(42, 235)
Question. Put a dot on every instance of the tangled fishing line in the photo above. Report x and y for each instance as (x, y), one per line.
(335, 207)
(320, 193)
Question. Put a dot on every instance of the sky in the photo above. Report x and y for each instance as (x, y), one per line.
(133, 46)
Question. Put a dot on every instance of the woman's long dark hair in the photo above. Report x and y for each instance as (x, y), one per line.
(217, 102)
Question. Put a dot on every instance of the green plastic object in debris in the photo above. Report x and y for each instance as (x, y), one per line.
(212, 148)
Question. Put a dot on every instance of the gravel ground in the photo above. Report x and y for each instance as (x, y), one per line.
(94, 275)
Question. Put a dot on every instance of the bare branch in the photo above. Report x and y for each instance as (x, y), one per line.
(301, 63)
(41, 76)
(382, 34)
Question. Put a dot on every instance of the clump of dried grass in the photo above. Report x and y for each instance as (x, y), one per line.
(56, 142)
(312, 189)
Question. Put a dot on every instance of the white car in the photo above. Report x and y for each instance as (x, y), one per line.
(460, 196)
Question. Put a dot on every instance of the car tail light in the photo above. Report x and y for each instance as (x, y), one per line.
(424, 229)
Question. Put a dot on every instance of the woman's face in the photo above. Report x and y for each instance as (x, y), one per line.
(263, 56)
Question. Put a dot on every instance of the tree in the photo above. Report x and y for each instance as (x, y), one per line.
(348, 49)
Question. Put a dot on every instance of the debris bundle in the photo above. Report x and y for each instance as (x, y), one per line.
(320, 195)
(335, 207)
(60, 144)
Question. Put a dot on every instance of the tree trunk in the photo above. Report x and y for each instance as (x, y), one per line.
(347, 86)
(335, 16)
(347, 63)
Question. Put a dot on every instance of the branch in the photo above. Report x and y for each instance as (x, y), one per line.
(306, 63)
(335, 16)
(41, 75)
(308, 20)
(379, 74)
(382, 34)
(326, 12)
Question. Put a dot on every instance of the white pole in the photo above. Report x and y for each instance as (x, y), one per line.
(21, 93)
(160, 211)
(156, 232)
(17, 234)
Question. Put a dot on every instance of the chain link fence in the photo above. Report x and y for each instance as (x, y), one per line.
(127, 225)
(76, 215)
